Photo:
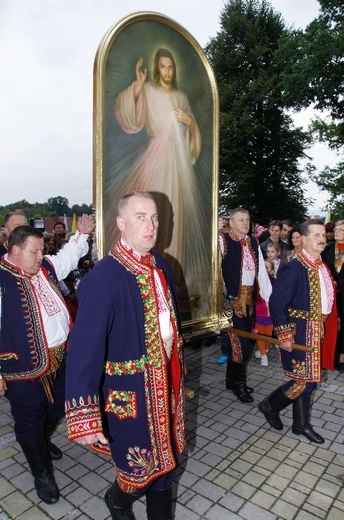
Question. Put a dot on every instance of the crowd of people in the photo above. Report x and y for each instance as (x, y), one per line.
(281, 242)
(124, 396)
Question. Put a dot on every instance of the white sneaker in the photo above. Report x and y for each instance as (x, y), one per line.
(258, 354)
(264, 361)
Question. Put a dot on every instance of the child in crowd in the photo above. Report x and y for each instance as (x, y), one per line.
(263, 319)
(263, 326)
(272, 262)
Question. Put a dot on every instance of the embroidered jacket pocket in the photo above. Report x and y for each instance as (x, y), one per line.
(122, 403)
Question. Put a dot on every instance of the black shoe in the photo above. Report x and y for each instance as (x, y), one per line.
(46, 487)
(240, 392)
(55, 452)
(301, 425)
(236, 376)
(124, 511)
(38, 457)
(270, 415)
(249, 389)
(308, 432)
(272, 405)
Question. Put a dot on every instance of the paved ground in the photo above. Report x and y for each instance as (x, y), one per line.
(234, 467)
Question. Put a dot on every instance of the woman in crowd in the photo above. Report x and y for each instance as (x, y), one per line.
(329, 233)
(294, 246)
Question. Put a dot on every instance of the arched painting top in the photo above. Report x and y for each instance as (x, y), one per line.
(156, 130)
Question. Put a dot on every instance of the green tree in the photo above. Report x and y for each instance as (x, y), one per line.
(313, 69)
(54, 206)
(312, 75)
(84, 208)
(30, 210)
(259, 147)
(59, 206)
(332, 180)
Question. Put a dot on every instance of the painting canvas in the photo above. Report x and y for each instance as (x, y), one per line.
(156, 130)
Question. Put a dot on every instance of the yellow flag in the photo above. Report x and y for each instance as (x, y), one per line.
(74, 223)
(328, 218)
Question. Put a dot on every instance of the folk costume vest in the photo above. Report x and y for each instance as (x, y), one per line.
(24, 352)
(232, 265)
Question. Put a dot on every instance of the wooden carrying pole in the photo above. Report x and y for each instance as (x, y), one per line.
(266, 339)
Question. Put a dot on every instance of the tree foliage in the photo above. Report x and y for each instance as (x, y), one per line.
(312, 63)
(259, 146)
(59, 206)
(45, 209)
(332, 180)
(313, 69)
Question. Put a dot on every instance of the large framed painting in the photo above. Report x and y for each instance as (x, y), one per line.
(156, 130)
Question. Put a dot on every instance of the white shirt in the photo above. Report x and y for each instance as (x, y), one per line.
(248, 276)
(53, 310)
(326, 286)
(68, 257)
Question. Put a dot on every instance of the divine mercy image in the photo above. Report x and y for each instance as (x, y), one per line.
(163, 143)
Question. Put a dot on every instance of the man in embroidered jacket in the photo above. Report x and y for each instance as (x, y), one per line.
(245, 278)
(34, 328)
(126, 389)
(301, 300)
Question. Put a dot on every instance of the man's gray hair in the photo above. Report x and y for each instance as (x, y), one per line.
(310, 222)
(125, 199)
(239, 210)
(9, 215)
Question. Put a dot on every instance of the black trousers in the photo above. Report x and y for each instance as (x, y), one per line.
(30, 406)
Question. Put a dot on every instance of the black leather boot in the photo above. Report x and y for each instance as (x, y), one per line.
(120, 504)
(159, 504)
(229, 378)
(239, 383)
(301, 424)
(272, 405)
(37, 455)
(50, 425)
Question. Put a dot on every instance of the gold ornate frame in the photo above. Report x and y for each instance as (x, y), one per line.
(114, 68)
